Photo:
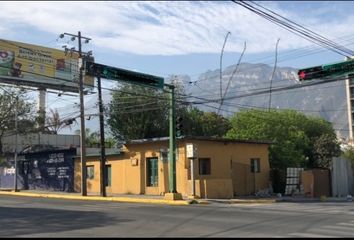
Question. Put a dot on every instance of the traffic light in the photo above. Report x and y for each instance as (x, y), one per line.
(311, 73)
(179, 126)
(93, 69)
(90, 68)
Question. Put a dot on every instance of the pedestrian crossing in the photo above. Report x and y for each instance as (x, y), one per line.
(342, 229)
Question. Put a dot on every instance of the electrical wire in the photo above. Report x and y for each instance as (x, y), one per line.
(298, 29)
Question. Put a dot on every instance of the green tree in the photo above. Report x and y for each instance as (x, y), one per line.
(137, 112)
(298, 140)
(206, 124)
(93, 139)
(325, 148)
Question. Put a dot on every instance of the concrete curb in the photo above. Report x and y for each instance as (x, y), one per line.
(253, 201)
(243, 201)
(202, 201)
(97, 198)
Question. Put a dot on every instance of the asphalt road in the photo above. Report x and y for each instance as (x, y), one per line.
(42, 217)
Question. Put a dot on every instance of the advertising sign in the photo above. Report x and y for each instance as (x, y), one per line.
(27, 64)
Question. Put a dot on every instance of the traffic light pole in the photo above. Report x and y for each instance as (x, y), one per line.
(172, 195)
(172, 152)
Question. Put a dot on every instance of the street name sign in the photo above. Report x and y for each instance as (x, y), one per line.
(119, 74)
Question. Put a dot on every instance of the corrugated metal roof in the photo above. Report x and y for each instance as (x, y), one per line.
(108, 152)
(150, 140)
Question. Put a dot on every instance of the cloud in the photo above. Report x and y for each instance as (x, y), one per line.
(167, 27)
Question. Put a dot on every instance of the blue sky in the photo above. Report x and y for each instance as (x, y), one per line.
(169, 37)
(180, 37)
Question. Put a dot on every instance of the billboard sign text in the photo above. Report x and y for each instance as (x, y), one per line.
(31, 65)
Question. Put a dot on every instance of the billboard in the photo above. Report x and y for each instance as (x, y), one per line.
(31, 65)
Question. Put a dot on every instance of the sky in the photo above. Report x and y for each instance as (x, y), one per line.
(179, 37)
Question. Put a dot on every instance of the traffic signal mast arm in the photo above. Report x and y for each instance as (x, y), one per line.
(327, 70)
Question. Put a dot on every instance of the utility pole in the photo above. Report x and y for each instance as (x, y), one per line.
(15, 156)
(82, 116)
(103, 154)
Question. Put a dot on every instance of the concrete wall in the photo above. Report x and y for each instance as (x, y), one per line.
(23, 141)
(316, 182)
(45, 170)
(214, 188)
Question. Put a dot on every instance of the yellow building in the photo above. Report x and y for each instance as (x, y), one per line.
(222, 168)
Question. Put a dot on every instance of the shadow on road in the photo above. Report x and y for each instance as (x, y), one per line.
(20, 221)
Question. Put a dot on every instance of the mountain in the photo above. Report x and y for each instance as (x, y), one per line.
(249, 87)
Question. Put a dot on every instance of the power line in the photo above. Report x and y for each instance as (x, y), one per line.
(297, 29)
(250, 94)
(310, 83)
(301, 52)
(318, 36)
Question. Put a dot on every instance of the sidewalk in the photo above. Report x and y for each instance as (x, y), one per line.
(114, 198)
(132, 198)
(154, 199)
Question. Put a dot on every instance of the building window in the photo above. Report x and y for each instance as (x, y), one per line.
(152, 172)
(108, 176)
(90, 172)
(255, 165)
(204, 166)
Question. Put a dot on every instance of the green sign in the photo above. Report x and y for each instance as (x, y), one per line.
(113, 73)
(327, 70)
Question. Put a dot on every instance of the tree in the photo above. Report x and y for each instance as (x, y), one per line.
(93, 139)
(325, 148)
(207, 124)
(298, 140)
(348, 153)
(55, 123)
(137, 112)
(12, 102)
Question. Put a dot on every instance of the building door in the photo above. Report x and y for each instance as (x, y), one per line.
(242, 179)
(152, 172)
